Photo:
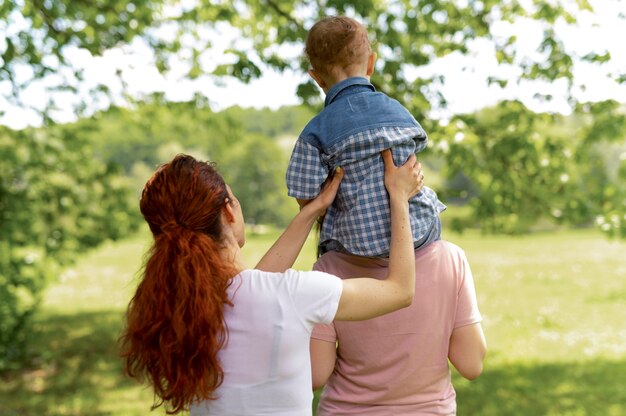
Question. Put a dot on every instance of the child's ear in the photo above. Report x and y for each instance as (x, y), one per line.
(318, 78)
(370, 63)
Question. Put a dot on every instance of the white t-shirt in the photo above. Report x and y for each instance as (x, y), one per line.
(266, 361)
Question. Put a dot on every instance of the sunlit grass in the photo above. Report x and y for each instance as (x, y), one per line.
(560, 294)
(552, 303)
(553, 307)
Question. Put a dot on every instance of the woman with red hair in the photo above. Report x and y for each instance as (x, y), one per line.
(215, 337)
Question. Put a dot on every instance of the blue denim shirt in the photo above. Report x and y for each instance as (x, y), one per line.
(356, 124)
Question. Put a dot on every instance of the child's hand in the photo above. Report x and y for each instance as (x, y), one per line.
(327, 193)
(405, 181)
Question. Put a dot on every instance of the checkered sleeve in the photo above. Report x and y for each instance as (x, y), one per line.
(421, 140)
(306, 171)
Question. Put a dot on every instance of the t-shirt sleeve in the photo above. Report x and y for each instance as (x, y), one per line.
(467, 312)
(306, 171)
(324, 332)
(315, 295)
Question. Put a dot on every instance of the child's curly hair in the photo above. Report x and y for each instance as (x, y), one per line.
(336, 40)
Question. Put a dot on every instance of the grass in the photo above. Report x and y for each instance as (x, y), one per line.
(553, 306)
(552, 303)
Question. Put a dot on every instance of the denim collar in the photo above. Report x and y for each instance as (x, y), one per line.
(339, 87)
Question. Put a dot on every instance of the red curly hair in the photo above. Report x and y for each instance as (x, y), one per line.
(175, 321)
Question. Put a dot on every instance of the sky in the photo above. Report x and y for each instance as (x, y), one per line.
(465, 87)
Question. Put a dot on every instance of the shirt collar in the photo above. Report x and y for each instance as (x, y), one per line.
(339, 87)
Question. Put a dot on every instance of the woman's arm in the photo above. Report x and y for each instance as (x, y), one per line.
(365, 298)
(286, 249)
(467, 350)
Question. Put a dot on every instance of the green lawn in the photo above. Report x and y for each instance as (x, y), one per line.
(553, 307)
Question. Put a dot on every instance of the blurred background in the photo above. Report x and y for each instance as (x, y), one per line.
(524, 102)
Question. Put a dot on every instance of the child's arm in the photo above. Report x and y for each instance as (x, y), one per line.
(306, 173)
(303, 202)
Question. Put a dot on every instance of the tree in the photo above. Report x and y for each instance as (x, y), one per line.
(513, 140)
(153, 132)
(255, 168)
(126, 136)
(552, 167)
(42, 36)
(130, 135)
(56, 200)
(601, 157)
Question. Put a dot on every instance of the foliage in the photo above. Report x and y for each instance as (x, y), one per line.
(602, 160)
(285, 121)
(517, 167)
(519, 171)
(255, 168)
(56, 200)
(44, 38)
(154, 131)
(128, 136)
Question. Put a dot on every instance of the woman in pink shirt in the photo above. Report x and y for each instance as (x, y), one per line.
(397, 364)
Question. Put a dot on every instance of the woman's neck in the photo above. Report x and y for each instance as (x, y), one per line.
(231, 253)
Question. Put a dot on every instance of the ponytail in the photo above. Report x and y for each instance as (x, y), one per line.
(175, 321)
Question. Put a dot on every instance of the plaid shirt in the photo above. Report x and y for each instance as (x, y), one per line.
(356, 124)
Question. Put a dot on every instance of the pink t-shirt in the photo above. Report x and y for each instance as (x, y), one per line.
(397, 364)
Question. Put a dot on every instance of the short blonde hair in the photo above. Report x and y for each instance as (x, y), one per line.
(337, 40)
